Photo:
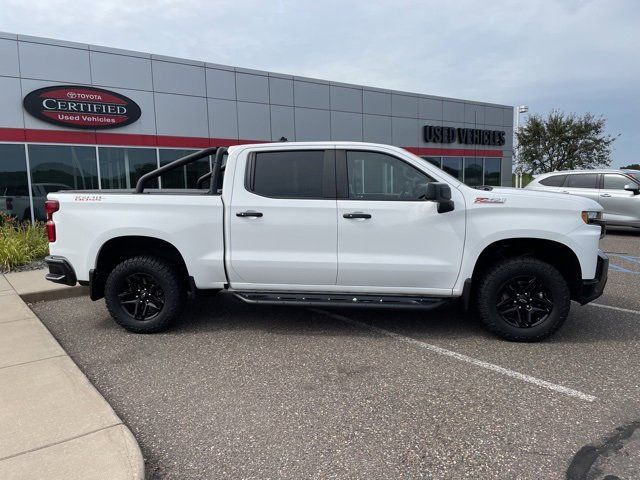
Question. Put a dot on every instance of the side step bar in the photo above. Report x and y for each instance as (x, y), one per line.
(309, 299)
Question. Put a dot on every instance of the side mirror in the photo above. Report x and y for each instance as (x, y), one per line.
(441, 194)
(632, 187)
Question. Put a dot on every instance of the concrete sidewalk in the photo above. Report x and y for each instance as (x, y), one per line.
(53, 423)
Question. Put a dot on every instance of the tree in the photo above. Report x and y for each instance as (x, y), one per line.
(633, 166)
(563, 142)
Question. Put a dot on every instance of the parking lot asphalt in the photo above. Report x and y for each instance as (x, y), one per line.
(239, 391)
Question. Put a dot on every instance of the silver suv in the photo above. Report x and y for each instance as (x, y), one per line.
(616, 190)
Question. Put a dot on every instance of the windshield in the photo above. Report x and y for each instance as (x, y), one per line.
(634, 175)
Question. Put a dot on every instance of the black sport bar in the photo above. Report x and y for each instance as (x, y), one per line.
(217, 164)
(175, 164)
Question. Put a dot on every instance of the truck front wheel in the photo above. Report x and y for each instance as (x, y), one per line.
(145, 294)
(523, 299)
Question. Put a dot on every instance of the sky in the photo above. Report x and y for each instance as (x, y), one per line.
(572, 55)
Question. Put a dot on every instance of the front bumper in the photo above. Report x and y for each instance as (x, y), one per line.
(60, 270)
(592, 289)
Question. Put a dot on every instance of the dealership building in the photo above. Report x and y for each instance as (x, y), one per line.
(77, 116)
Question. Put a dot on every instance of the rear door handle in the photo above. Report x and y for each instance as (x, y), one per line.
(249, 213)
(356, 215)
(605, 194)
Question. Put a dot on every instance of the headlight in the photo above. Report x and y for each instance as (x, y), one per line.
(591, 217)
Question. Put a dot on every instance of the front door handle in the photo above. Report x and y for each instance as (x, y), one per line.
(356, 215)
(249, 213)
(605, 194)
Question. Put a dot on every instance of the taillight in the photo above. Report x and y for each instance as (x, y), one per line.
(51, 206)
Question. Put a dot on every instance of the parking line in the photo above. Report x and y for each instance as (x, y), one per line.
(619, 309)
(463, 358)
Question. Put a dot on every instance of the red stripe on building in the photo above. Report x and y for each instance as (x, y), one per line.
(12, 135)
(139, 140)
(59, 136)
(454, 152)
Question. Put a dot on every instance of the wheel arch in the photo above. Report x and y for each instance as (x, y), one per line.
(555, 253)
(118, 249)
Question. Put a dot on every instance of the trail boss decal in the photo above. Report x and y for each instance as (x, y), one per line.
(490, 200)
(87, 198)
(81, 107)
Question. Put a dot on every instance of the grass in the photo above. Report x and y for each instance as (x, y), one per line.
(21, 243)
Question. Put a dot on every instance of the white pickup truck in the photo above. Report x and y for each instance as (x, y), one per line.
(330, 224)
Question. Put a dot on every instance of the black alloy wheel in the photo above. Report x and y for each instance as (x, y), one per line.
(524, 302)
(145, 294)
(523, 299)
(141, 296)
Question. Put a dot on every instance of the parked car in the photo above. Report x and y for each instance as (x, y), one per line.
(14, 200)
(616, 190)
(330, 224)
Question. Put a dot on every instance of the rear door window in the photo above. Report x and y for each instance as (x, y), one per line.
(553, 181)
(288, 174)
(582, 180)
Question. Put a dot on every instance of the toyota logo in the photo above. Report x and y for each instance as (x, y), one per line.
(72, 94)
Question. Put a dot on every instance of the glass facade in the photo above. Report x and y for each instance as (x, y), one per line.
(122, 167)
(453, 166)
(14, 183)
(185, 177)
(471, 170)
(69, 167)
(492, 171)
(60, 167)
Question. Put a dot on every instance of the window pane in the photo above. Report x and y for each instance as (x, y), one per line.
(553, 181)
(473, 171)
(492, 170)
(122, 167)
(14, 190)
(582, 180)
(56, 167)
(187, 175)
(437, 161)
(453, 166)
(616, 182)
(289, 174)
(376, 176)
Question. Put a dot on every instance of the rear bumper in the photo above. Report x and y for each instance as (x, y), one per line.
(60, 271)
(592, 289)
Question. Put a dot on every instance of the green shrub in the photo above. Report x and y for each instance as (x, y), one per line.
(21, 243)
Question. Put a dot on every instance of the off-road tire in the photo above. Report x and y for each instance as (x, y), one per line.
(493, 280)
(167, 277)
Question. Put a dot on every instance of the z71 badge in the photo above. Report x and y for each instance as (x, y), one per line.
(490, 200)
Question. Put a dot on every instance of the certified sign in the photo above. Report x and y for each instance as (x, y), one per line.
(81, 107)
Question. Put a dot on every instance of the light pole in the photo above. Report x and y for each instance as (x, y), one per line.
(518, 110)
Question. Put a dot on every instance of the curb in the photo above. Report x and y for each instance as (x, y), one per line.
(47, 295)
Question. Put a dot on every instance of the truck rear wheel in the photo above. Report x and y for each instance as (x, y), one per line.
(145, 294)
(523, 299)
